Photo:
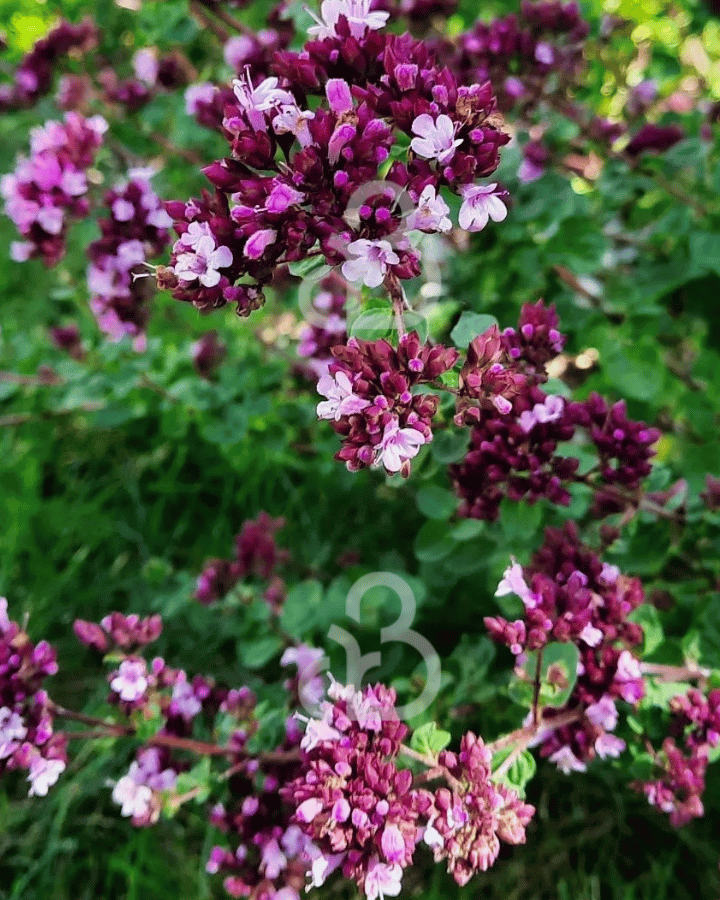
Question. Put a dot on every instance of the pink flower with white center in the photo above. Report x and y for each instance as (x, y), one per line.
(393, 844)
(435, 137)
(431, 213)
(256, 101)
(545, 54)
(131, 682)
(513, 582)
(192, 237)
(382, 880)
(366, 711)
(604, 713)
(339, 96)
(591, 635)
(341, 400)
(12, 731)
(293, 120)
(258, 243)
(322, 865)
(480, 203)
(628, 676)
(204, 263)
(43, 775)
(145, 65)
(550, 410)
(357, 13)
(196, 95)
(372, 262)
(567, 762)
(133, 798)
(317, 732)
(398, 445)
(608, 745)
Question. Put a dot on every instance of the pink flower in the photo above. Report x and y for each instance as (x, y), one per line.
(371, 263)
(609, 745)
(258, 243)
(309, 809)
(43, 775)
(339, 97)
(12, 731)
(591, 635)
(196, 95)
(393, 844)
(341, 399)
(431, 213)
(131, 681)
(397, 446)
(184, 702)
(435, 137)
(237, 50)
(145, 65)
(133, 798)
(513, 582)
(203, 263)
(256, 101)
(603, 713)
(566, 761)
(357, 13)
(480, 204)
(382, 880)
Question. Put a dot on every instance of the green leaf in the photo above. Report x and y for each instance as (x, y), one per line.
(429, 739)
(449, 446)
(648, 617)
(436, 502)
(636, 371)
(433, 542)
(558, 672)
(256, 653)
(521, 770)
(469, 326)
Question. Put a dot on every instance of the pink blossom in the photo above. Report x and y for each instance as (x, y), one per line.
(12, 731)
(566, 761)
(203, 263)
(431, 213)
(256, 101)
(382, 880)
(134, 798)
(480, 203)
(341, 399)
(608, 745)
(339, 97)
(357, 13)
(397, 446)
(130, 682)
(258, 242)
(184, 702)
(393, 844)
(290, 119)
(591, 635)
(196, 95)
(435, 137)
(513, 582)
(145, 64)
(43, 775)
(603, 713)
(372, 262)
(237, 50)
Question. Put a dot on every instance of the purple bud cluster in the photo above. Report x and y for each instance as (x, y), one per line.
(305, 178)
(327, 326)
(27, 740)
(696, 725)
(371, 402)
(119, 631)
(521, 53)
(137, 230)
(256, 555)
(363, 813)
(67, 339)
(571, 596)
(514, 442)
(152, 73)
(34, 76)
(47, 189)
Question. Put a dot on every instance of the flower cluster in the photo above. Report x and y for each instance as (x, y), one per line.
(372, 404)
(571, 596)
(27, 740)
(327, 327)
(517, 427)
(470, 818)
(119, 631)
(256, 555)
(303, 181)
(49, 187)
(678, 789)
(137, 230)
(524, 54)
(365, 817)
(34, 76)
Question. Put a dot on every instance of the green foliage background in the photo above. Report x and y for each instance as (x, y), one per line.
(118, 483)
